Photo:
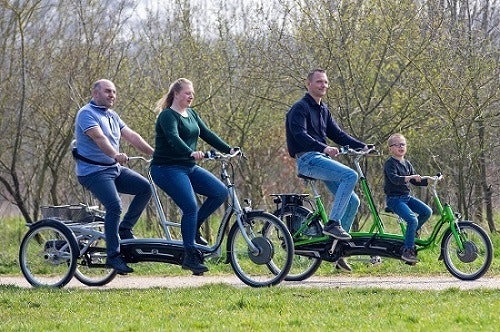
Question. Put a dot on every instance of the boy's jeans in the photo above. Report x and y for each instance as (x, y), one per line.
(340, 181)
(106, 185)
(408, 207)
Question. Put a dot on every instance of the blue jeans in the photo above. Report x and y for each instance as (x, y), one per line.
(182, 183)
(408, 207)
(106, 185)
(340, 181)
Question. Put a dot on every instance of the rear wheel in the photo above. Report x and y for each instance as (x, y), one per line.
(475, 259)
(91, 268)
(304, 265)
(271, 260)
(48, 254)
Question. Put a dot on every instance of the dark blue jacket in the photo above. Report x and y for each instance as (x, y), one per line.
(308, 125)
(394, 177)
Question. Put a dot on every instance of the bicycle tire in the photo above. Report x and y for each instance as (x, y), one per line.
(48, 254)
(303, 266)
(91, 269)
(271, 264)
(473, 262)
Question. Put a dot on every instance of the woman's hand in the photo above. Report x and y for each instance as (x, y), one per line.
(198, 155)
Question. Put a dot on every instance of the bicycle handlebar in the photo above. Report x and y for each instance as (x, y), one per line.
(346, 150)
(435, 178)
(139, 158)
(212, 154)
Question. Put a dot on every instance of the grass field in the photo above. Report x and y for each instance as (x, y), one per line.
(226, 308)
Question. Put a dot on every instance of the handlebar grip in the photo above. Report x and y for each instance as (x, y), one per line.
(210, 154)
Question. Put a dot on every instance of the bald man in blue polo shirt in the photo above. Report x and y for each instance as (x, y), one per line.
(99, 167)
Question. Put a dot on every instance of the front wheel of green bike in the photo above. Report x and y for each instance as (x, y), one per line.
(471, 262)
(268, 260)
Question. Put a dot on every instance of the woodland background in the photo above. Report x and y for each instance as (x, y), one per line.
(427, 69)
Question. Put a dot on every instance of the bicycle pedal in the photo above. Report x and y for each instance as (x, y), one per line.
(198, 274)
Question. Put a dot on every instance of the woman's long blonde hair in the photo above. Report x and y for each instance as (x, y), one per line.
(167, 100)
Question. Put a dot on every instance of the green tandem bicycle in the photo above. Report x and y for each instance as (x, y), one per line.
(465, 248)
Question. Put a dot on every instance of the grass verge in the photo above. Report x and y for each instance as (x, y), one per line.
(226, 308)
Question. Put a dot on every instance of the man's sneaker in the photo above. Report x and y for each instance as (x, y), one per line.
(334, 229)
(125, 233)
(119, 264)
(341, 264)
(409, 255)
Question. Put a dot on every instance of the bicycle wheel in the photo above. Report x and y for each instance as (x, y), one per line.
(273, 259)
(472, 262)
(91, 269)
(48, 254)
(303, 266)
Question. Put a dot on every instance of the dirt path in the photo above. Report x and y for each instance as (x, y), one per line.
(386, 282)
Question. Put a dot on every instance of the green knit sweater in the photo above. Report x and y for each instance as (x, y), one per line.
(177, 137)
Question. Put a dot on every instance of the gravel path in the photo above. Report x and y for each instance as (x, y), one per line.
(385, 282)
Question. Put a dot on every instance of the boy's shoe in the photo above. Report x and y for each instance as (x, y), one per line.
(341, 264)
(409, 255)
(119, 264)
(125, 234)
(333, 228)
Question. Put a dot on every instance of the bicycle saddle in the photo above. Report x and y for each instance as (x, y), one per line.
(305, 177)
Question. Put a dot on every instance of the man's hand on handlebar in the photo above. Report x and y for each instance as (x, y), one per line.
(331, 151)
(121, 158)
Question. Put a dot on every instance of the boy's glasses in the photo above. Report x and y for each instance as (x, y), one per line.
(399, 145)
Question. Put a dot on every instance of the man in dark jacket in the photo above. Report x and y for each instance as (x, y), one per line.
(308, 125)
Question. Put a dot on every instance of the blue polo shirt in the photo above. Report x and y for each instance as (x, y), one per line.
(88, 117)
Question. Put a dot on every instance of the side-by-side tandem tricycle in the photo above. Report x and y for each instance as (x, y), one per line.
(465, 248)
(69, 241)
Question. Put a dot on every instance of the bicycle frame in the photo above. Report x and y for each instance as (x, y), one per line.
(234, 208)
(447, 216)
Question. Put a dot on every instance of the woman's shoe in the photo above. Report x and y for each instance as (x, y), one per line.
(193, 259)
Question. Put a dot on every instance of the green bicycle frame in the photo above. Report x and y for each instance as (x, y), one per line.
(447, 216)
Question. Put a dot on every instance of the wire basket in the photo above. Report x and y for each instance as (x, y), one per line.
(68, 213)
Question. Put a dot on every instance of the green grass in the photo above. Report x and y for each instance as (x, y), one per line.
(227, 308)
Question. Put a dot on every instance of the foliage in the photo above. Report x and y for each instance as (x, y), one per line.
(426, 69)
